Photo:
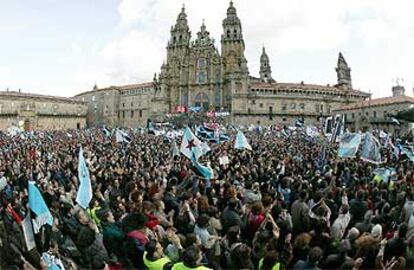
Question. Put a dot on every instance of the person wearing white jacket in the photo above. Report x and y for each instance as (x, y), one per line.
(341, 223)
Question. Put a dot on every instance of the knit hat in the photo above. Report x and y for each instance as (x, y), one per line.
(376, 231)
(353, 233)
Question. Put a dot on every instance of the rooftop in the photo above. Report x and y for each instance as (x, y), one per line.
(118, 88)
(303, 86)
(379, 102)
(37, 96)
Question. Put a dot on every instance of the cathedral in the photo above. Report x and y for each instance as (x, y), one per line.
(197, 74)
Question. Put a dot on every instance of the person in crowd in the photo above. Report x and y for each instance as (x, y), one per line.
(192, 257)
(312, 262)
(154, 258)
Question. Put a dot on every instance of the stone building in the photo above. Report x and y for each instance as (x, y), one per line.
(125, 106)
(39, 112)
(197, 74)
(376, 113)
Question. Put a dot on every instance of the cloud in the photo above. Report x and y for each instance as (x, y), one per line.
(134, 57)
(132, 11)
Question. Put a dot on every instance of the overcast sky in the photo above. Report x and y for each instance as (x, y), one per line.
(61, 47)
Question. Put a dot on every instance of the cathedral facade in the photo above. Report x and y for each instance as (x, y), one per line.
(197, 74)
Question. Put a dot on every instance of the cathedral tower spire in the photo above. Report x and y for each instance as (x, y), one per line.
(344, 73)
(232, 43)
(180, 32)
(265, 69)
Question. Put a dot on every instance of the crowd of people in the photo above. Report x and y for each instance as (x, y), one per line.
(278, 206)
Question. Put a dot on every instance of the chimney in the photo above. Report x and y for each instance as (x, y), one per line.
(398, 90)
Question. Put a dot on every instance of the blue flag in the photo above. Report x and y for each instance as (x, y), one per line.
(39, 207)
(84, 195)
(241, 142)
(348, 146)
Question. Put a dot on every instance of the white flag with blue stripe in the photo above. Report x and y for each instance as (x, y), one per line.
(205, 148)
(204, 171)
(84, 195)
(406, 151)
(39, 207)
(121, 137)
(191, 145)
(106, 132)
(241, 142)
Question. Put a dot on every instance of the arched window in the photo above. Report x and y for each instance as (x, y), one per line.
(228, 33)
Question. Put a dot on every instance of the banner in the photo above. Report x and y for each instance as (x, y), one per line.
(339, 127)
(348, 146)
(328, 125)
(371, 149)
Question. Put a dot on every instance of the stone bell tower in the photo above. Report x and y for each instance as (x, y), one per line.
(344, 74)
(265, 69)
